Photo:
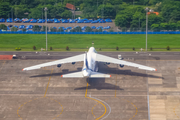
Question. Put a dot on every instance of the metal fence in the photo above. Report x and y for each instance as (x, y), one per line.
(20, 32)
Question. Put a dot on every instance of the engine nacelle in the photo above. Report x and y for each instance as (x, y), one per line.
(121, 65)
(107, 63)
(59, 65)
(73, 63)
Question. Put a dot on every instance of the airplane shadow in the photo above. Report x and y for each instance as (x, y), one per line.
(99, 84)
(103, 68)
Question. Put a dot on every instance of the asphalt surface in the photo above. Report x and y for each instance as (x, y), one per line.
(130, 94)
(125, 55)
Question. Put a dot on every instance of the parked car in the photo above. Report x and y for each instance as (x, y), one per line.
(65, 21)
(88, 21)
(15, 26)
(108, 27)
(9, 20)
(61, 27)
(17, 20)
(93, 27)
(2, 20)
(29, 31)
(69, 28)
(72, 21)
(56, 21)
(33, 21)
(102, 21)
(99, 27)
(49, 21)
(21, 26)
(108, 20)
(95, 21)
(80, 21)
(29, 27)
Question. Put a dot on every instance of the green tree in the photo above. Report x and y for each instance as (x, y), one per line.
(178, 25)
(19, 11)
(100, 30)
(116, 2)
(88, 29)
(35, 13)
(66, 14)
(108, 10)
(4, 9)
(36, 28)
(170, 10)
(124, 29)
(61, 29)
(164, 26)
(89, 12)
(121, 20)
(44, 29)
(14, 29)
(24, 29)
(78, 29)
(155, 27)
(53, 30)
(173, 26)
(56, 11)
(3, 27)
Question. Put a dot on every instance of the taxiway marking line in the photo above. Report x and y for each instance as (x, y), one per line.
(175, 111)
(115, 86)
(134, 106)
(96, 101)
(48, 84)
(94, 107)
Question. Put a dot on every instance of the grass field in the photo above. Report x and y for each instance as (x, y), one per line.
(8, 42)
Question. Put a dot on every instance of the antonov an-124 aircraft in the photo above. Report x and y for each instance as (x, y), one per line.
(90, 68)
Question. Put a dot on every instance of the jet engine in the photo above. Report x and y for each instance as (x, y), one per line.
(73, 63)
(59, 65)
(121, 65)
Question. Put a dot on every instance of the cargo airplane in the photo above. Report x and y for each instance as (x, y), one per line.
(90, 68)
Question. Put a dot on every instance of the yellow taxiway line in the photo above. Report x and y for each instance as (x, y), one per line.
(96, 101)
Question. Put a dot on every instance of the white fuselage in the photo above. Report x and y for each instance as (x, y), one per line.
(90, 64)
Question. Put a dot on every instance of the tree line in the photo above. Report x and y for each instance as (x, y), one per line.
(127, 13)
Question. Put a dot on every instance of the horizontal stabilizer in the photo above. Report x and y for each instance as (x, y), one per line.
(73, 75)
(99, 75)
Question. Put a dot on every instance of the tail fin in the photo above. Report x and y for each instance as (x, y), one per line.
(99, 75)
(85, 66)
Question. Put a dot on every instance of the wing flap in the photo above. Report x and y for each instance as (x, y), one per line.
(103, 58)
(76, 58)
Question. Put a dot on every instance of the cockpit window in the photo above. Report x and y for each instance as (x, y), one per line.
(95, 51)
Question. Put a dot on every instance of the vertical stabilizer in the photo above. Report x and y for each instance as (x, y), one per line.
(85, 67)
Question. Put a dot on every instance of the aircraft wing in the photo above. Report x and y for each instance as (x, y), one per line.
(76, 58)
(103, 58)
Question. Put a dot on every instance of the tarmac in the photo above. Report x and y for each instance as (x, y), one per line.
(130, 94)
